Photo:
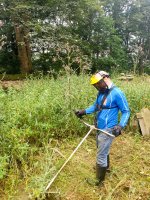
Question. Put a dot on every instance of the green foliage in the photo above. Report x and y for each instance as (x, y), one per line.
(137, 93)
(9, 63)
(3, 166)
(44, 109)
(131, 19)
(83, 24)
(110, 33)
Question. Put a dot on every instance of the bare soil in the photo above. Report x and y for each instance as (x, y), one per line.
(14, 84)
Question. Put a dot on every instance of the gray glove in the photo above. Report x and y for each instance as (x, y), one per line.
(117, 130)
(80, 113)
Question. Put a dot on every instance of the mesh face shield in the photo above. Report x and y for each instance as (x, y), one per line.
(103, 74)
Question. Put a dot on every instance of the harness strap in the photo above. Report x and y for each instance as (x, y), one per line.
(107, 108)
(101, 107)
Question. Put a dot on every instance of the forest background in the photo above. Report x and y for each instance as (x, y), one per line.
(51, 36)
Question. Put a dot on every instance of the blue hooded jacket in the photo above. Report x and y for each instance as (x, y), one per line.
(108, 117)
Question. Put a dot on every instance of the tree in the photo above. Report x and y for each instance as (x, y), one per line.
(15, 18)
(132, 22)
(107, 31)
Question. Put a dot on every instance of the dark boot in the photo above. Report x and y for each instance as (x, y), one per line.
(100, 173)
(108, 164)
(100, 176)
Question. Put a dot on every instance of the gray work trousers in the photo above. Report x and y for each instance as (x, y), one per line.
(103, 147)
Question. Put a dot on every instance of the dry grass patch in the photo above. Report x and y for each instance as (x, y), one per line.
(129, 177)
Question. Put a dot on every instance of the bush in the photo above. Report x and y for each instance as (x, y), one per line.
(44, 108)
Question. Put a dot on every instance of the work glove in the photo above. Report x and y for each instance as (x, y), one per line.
(117, 130)
(80, 113)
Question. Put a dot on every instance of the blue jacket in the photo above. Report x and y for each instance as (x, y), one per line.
(108, 118)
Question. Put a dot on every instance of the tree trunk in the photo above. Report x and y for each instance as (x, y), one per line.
(141, 67)
(141, 60)
(24, 52)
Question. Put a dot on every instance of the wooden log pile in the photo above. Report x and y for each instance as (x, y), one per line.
(143, 118)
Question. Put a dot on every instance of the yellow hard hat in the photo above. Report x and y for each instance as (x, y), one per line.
(95, 78)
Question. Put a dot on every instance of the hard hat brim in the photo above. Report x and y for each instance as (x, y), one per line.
(95, 78)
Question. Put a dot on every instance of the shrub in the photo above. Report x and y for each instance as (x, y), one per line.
(44, 108)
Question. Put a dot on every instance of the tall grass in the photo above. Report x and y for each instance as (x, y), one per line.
(43, 109)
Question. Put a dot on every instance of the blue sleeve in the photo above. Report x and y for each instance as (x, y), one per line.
(91, 109)
(122, 103)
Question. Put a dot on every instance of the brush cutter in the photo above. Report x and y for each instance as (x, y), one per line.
(92, 127)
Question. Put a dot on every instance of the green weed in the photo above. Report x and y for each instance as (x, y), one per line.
(43, 109)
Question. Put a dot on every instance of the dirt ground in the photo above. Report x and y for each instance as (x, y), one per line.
(129, 177)
(14, 84)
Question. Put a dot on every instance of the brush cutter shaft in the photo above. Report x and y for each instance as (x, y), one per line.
(52, 180)
(98, 129)
(92, 127)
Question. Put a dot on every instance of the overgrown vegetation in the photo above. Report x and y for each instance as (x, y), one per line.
(42, 110)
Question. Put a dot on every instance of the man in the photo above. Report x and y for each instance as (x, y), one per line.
(110, 100)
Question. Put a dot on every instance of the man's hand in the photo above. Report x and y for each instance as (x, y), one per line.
(80, 113)
(117, 130)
